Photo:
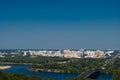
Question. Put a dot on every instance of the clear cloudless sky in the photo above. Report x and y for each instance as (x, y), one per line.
(59, 24)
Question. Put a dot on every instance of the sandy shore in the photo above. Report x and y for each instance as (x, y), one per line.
(5, 67)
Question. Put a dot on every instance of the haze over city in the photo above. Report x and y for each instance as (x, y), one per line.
(51, 24)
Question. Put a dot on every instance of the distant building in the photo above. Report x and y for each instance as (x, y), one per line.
(94, 54)
(72, 54)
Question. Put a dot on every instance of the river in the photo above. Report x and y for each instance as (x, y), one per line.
(22, 69)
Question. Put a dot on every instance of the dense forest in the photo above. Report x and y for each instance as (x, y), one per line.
(112, 67)
(70, 66)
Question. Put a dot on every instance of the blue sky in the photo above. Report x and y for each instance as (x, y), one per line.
(52, 24)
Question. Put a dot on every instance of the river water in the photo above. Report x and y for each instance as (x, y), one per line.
(22, 69)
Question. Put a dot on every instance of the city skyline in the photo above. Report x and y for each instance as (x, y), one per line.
(36, 24)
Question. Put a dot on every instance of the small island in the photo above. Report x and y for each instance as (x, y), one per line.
(5, 67)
